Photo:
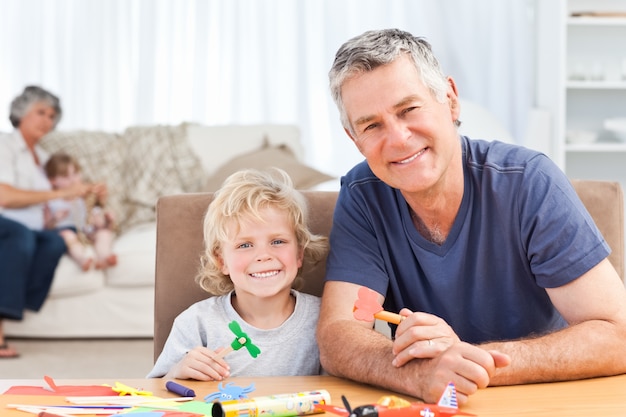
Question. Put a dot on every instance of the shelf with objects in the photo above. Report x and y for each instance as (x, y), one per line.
(581, 83)
(595, 89)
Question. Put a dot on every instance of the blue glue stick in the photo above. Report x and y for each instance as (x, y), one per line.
(179, 389)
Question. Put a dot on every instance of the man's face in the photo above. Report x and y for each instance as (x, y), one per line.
(406, 135)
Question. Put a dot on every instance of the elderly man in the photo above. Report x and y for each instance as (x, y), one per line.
(485, 249)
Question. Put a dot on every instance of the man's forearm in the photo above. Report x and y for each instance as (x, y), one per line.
(589, 349)
(371, 364)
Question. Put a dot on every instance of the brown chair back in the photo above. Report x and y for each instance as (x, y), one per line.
(179, 244)
(605, 202)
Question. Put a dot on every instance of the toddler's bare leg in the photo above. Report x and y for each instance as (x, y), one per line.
(76, 249)
(103, 245)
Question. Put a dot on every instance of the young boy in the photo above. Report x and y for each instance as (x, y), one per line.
(256, 240)
(80, 221)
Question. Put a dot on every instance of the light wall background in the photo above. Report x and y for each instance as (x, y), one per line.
(120, 63)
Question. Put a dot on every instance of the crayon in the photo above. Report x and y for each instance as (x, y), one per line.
(181, 390)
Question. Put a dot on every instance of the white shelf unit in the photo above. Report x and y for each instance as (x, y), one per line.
(595, 78)
(596, 85)
(581, 81)
(595, 49)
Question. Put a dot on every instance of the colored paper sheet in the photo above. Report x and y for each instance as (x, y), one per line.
(168, 413)
(66, 390)
(186, 409)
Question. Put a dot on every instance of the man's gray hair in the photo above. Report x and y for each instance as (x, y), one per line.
(375, 48)
(31, 95)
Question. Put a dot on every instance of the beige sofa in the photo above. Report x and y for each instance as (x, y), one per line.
(140, 165)
(179, 244)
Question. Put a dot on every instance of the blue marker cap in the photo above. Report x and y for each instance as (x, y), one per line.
(181, 390)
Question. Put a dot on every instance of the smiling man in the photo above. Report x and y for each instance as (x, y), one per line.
(484, 247)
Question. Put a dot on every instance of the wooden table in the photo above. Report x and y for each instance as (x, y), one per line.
(594, 397)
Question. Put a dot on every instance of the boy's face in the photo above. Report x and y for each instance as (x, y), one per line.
(73, 177)
(262, 258)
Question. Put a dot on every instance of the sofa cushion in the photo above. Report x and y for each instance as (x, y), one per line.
(70, 281)
(216, 144)
(303, 176)
(101, 156)
(158, 161)
(138, 166)
(135, 252)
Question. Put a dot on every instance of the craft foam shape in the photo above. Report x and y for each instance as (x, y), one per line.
(241, 340)
(367, 308)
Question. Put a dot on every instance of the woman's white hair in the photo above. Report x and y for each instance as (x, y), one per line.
(31, 95)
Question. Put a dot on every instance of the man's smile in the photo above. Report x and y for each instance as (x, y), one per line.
(412, 157)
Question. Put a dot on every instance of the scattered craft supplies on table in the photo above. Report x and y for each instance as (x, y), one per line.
(110, 405)
(281, 405)
(104, 400)
(121, 399)
(391, 405)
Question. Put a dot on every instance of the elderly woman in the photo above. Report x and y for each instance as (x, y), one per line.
(28, 253)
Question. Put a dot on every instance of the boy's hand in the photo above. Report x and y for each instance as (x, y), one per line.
(201, 364)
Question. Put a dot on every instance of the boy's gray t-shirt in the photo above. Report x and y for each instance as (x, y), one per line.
(290, 349)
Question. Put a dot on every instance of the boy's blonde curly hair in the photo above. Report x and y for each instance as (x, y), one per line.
(243, 195)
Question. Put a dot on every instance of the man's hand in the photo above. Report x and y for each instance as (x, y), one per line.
(426, 336)
(372, 356)
(469, 367)
(421, 335)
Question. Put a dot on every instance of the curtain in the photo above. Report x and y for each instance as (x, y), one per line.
(120, 63)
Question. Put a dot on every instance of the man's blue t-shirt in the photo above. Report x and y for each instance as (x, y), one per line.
(520, 228)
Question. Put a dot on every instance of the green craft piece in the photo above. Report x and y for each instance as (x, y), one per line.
(242, 340)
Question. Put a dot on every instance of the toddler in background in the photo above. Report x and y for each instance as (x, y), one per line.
(81, 221)
(256, 240)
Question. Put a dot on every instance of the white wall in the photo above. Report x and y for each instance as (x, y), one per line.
(117, 63)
